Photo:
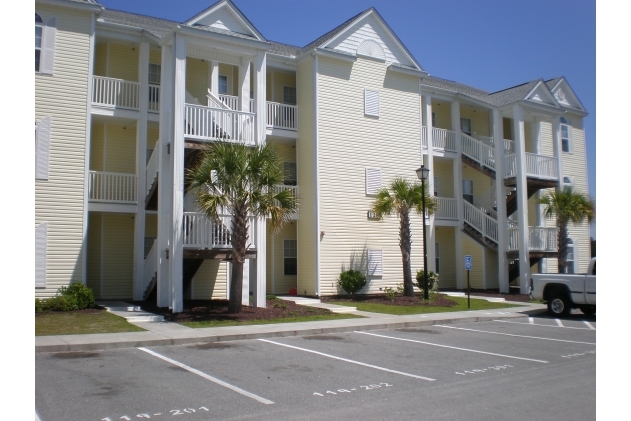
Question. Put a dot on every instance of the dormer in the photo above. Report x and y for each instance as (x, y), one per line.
(564, 94)
(225, 17)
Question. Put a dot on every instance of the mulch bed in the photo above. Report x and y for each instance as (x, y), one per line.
(441, 301)
(205, 310)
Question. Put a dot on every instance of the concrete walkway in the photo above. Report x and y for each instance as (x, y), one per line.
(159, 332)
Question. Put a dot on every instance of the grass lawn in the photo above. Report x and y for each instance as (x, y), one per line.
(221, 323)
(81, 322)
(476, 304)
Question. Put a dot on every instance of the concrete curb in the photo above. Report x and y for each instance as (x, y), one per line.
(72, 343)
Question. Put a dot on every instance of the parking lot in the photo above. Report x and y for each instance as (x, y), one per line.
(534, 368)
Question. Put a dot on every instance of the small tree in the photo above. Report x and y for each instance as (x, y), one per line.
(402, 197)
(352, 281)
(566, 205)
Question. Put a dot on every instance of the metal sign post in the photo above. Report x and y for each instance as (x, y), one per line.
(467, 266)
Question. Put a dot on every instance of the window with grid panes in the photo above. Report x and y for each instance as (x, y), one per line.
(290, 257)
(570, 256)
(467, 190)
(289, 95)
(290, 178)
(437, 258)
(565, 135)
(223, 85)
(465, 126)
(39, 31)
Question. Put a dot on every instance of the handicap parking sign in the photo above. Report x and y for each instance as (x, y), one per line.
(467, 262)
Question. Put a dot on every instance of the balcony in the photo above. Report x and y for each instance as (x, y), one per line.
(447, 208)
(213, 124)
(123, 94)
(540, 239)
(277, 115)
(442, 139)
(110, 187)
(537, 166)
(295, 192)
(200, 232)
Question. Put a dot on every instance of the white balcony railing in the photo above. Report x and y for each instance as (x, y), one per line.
(152, 169)
(509, 145)
(282, 116)
(211, 124)
(447, 208)
(231, 101)
(154, 98)
(294, 190)
(441, 139)
(479, 151)
(537, 166)
(539, 239)
(482, 222)
(117, 93)
(112, 187)
(202, 232)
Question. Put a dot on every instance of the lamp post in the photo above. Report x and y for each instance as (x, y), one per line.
(422, 173)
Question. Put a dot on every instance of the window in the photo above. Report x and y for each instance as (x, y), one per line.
(435, 186)
(433, 119)
(148, 245)
(371, 103)
(45, 33)
(565, 135)
(375, 262)
(289, 95)
(154, 73)
(465, 126)
(467, 190)
(290, 257)
(437, 258)
(223, 85)
(570, 256)
(373, 180)
(289, 169)
(568, 181)
(39, 32)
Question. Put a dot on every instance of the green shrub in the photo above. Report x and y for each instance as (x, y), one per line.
(39, 306)
(351, 281)
(271, 297)
(432, 284)
(75, 296)
(392, 293)
(60, 303)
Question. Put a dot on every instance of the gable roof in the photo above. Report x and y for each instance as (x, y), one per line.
(332, 33)
(232, 8)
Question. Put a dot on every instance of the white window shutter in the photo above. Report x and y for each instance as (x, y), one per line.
(43, 149)
(48, 46)
(373, 180)
(40, 255)
(375, 262)
(371, 103)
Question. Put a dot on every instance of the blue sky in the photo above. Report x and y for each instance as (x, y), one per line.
(489, 44)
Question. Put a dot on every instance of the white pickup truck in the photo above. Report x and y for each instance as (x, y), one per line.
(564, 291)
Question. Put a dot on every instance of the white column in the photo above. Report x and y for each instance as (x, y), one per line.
(214, 77)
(244, 85)
(522, 198)
(177, 156)
(426, 103)
(245, 292)
(165, 179)
(500, 193)
(141, 159)
(541, 221)
(455, 126)
(557, 147)
(260, 96)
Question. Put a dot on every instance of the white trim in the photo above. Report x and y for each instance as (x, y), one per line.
(316, 147)
(47, 55)
(240, 17)
(42, 162)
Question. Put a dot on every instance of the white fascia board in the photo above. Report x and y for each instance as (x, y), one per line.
(94, 8)
(410, 72)
(546, 109)
(542, 84)
(334, 54)
(571, 92)
(281, 62)
(209, 35)
(118, 31)
(359, 19)
(483, 104)
(233, 10)
(443, 94)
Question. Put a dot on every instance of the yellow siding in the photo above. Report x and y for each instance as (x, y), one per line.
(443, 169)
(481, 182)
(210, 281)
(349, 143)
(197, 79)
(442, 109)
(100, 59)
(123, 62)
(533, 208)
(94, 253)
(118, 255)
(476, 251)
(277, 281)
(282, 79)
(286, 153)
(59, 200)
(120, 149)
(507, 127)
(155, 56)
(479, 120)
(152, 137)
(97, 145)
(490, 261)
(529, 142)
(446, 238)
(233, 77)
(305, 164)
(151, 225)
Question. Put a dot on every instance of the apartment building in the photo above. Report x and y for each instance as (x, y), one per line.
(125, 102)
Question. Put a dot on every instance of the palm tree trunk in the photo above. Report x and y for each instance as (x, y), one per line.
(405, 242)
(239, 243)
(562, 242)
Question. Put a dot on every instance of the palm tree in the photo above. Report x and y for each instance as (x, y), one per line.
(566, 205)
(240, 180)
(401, 197)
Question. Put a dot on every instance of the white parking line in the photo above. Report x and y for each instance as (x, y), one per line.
(518, 336)
(589, 325)
(348, 361)
(531, 321)
(207, 377)
(37, 417)
(451, 347)
(559, 323)
(537, 324)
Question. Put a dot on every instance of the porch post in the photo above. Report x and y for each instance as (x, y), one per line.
(244, 85)
(213, 70)
(430, 222)
(141, 159)
(165, 179)
(455, 126)
(177, 156)
(557, 147)
(541, 222)
(500, 202)
(522, 198)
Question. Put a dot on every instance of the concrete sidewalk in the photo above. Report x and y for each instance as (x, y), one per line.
(159, 332)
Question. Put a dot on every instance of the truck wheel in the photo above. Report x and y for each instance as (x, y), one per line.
(588, 310)
(559, 305)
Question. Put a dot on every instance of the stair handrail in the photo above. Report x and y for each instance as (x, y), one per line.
(478, 151)
(150, 265)
(215, 102)
(152, 168)
(480, 221)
